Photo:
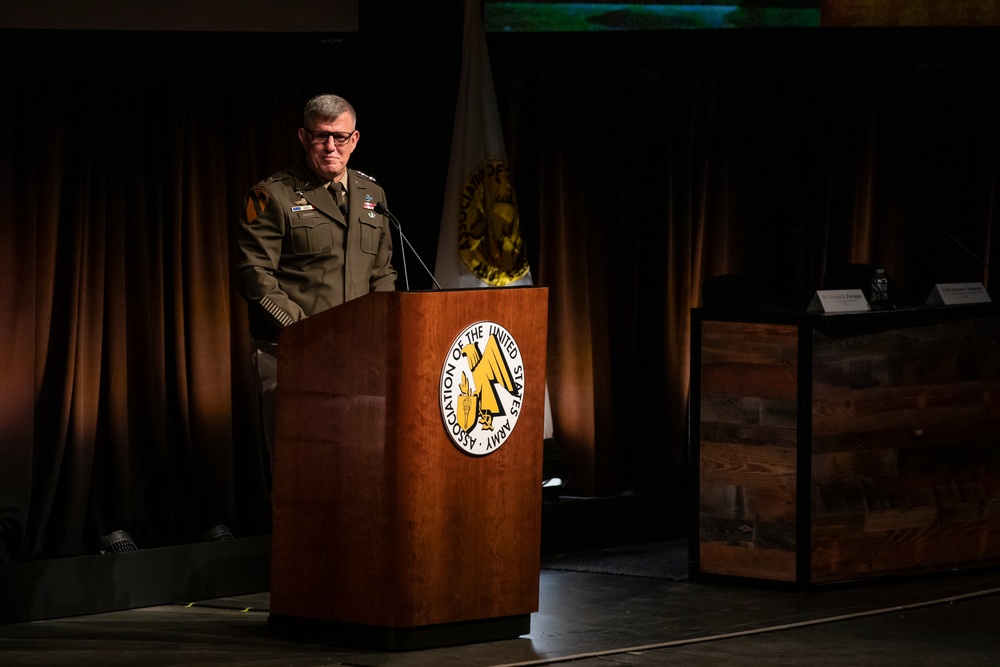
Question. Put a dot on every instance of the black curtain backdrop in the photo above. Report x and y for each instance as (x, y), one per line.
(644, 164)
(127, 401)
(649, 163)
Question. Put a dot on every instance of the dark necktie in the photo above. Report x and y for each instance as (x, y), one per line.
(338, 193)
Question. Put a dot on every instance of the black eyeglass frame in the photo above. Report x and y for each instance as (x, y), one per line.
(320, 137)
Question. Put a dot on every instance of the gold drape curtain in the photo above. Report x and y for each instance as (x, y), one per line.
(643, 166)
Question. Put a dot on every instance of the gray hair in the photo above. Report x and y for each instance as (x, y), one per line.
(327, 108)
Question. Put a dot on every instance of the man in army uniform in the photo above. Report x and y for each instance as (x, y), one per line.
(310, 239)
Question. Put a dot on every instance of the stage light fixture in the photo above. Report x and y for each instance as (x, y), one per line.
(117, 542)
(217, 534)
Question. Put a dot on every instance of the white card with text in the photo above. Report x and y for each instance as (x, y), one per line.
(956, 294)
(838, 301)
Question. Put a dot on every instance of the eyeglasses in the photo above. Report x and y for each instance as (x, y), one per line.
(339, 138)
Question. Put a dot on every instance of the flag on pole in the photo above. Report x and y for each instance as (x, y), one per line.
(480, 242)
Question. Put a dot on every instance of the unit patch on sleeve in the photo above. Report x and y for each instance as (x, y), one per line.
(256, 202)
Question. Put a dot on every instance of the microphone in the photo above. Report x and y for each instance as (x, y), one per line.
(382, 210)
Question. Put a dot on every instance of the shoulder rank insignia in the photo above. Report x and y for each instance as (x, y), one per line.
(364, 175)
(279, 176)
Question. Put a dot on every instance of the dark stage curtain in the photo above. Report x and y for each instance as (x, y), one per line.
(644, 165)
(786, 160)
(126, 400)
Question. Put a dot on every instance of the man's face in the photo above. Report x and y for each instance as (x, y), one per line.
(327, 158)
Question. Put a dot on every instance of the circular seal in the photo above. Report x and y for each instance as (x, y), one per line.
(489, 230)
(481, 388)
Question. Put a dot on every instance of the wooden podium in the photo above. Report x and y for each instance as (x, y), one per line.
(386, 533)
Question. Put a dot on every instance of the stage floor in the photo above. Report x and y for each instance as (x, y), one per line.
(585, 619)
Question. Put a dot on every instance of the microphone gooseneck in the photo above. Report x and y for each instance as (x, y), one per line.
(382, 210)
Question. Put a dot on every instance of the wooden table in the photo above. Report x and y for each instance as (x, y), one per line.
(832, 448)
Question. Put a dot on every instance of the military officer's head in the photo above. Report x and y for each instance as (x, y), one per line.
(328, 135)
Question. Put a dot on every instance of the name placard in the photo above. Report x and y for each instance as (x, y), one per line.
(956, 294)
(838, 301)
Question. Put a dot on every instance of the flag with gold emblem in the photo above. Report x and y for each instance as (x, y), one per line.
(480, 243)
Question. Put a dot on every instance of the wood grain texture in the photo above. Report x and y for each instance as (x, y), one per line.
(903, 446)
(747, 450)
(905, 449)
(379, 519)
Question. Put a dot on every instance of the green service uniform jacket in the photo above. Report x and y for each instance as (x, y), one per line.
(298, 255)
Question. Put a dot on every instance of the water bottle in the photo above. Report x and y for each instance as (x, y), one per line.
(879, 297)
